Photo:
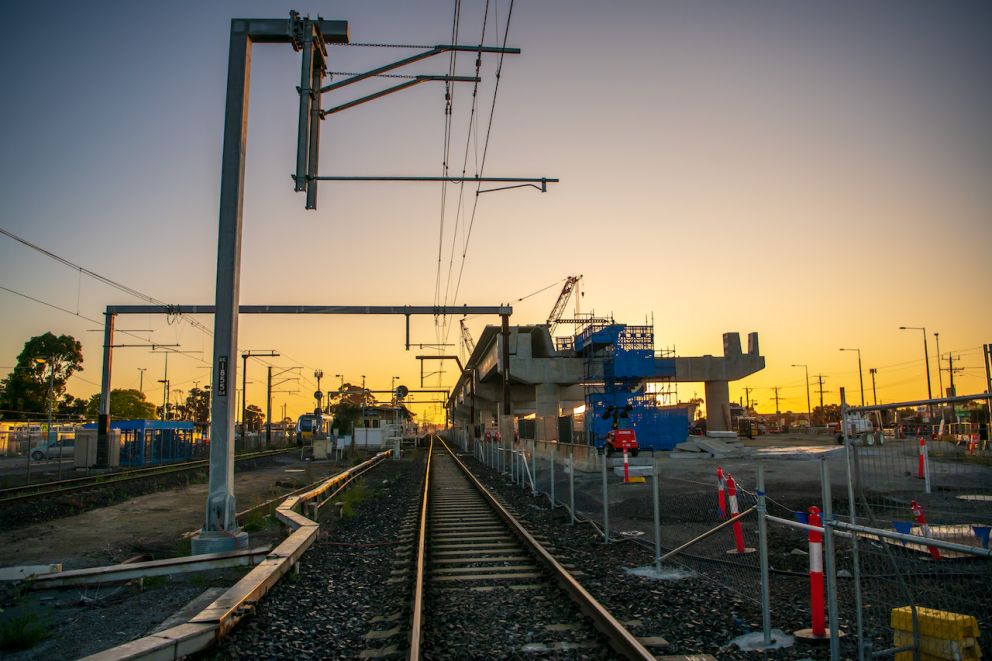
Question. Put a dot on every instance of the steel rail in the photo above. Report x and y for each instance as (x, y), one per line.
(80, 483)
(621, 640)
(416, 618)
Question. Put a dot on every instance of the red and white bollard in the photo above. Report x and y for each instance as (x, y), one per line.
(922, 521)
(921, 471)
(626, 468)
(972, 442)
(720, 485)
(816, 601)
(734, 511)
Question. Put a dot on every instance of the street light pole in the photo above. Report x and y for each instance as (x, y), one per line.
(926, 360)
(809, 406)
(861, 376)
(874, 396)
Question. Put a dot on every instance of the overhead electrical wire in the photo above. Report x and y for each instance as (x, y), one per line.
(105, 280)
(482, 164)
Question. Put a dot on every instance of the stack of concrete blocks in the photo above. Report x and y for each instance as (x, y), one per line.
(943, 635)
(715, 444)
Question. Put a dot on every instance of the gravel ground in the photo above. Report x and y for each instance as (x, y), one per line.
(345, 587)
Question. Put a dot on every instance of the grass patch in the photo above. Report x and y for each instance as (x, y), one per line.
(21, 630)
(256, 520)
(353, 497)
(184, 546)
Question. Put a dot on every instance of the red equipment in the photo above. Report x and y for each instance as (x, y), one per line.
(922, 521)
(621, 440)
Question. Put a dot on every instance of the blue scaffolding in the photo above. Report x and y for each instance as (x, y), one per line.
(619, 360)
(149, 442)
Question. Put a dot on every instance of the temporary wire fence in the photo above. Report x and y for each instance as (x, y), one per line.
(887, 597)
(936, 483)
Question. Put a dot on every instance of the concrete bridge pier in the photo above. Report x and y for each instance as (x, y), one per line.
(717, 405)
(546, 413)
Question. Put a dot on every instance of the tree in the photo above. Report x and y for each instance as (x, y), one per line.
(127, 403)
(253, 417)
(197, 405)
(72, 407)
(347, 405)
(26, 387)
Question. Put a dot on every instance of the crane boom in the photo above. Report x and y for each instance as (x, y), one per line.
(467, 338)
(559, 308)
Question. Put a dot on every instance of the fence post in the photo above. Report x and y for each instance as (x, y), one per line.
(766, 613)
(657, 514)
(533, 464)
(830, 564)
(606, 502)
(553, 452)
(855, 548)
(571, 482)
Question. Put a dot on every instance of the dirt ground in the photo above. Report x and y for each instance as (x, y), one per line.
(154, 523)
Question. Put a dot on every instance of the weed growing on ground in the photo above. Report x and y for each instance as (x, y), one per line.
(257, 520)
(353, 497)
(21, 629)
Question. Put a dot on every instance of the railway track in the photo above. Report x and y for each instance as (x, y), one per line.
(27, 493)
(484, 587)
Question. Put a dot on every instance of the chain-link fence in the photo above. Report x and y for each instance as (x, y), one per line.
(858, 514)
(936, 483)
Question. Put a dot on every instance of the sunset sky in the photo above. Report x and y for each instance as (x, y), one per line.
(817, 172)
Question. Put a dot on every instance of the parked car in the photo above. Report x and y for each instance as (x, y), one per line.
(50, 450)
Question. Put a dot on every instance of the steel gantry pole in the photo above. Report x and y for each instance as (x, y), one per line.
(220, 530)
(103, 419)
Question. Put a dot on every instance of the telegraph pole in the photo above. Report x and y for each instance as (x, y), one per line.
(268, 401)
(819, 378)
(777, 411)
(874, 396)
(270, 353)
(141, 379)
(747, 395)
(940, 374)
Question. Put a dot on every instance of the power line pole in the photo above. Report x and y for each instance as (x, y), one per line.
(248, 353)
(940, 374)
(777, 410)
(874, 395)
(747, 395)
(819, 379)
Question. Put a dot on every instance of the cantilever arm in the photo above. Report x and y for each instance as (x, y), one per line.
(397, 88)
(416, 58)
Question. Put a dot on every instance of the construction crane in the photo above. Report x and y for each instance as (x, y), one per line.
(559, 308)
(467, 338)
